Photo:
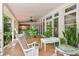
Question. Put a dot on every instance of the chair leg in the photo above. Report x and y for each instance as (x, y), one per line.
(44, 47)
(41, 44)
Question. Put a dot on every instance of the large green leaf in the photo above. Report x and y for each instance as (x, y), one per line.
(70, 34)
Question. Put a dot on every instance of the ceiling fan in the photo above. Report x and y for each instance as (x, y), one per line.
(31, 19)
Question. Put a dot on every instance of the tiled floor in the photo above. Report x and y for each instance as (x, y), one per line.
(17, 51)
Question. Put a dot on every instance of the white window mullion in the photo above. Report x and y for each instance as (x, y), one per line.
(53, 25)
(77, 17)
(61, 25)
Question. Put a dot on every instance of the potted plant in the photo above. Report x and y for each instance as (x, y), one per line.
(71, 36)
(32, 32)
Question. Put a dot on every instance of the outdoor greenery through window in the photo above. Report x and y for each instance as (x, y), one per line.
(7, 30)
(48, 32)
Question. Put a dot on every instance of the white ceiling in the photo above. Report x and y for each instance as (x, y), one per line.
(23, 11)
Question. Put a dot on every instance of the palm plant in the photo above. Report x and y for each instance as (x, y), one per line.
(70, 34)
(32, 32)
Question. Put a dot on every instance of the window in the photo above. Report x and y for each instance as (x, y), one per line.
(56, 27)
(48, 17)
(56, 14)
(43, 26)
(70, 19)
(70, 8)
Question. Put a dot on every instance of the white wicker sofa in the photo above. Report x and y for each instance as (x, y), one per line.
(67, 50)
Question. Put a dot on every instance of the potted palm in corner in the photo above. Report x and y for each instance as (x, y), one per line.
(71, 36)
(32, 33)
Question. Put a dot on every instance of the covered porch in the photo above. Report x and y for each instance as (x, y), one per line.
(43, 24)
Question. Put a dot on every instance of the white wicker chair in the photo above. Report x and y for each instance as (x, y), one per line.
(28, 51)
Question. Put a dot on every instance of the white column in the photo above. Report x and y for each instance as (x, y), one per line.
(61, 25)
(53, 25)
(1, 30)
(12, 29)
(42, 25)
(45, 25)
(17, 25)
(77, 17)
